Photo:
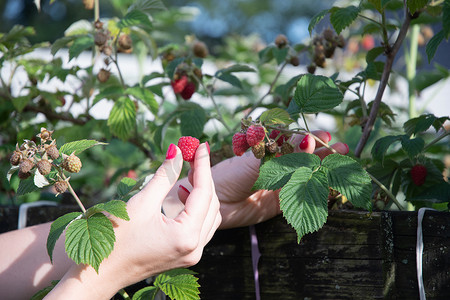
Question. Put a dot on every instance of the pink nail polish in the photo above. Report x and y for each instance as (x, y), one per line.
(207, 147)
(304, 143)
(171, 151)
(348, 149)
(329, 136)
(184, 188)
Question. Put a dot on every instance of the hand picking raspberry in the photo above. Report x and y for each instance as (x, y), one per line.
(188, 146)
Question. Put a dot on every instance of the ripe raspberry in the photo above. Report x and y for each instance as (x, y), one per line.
(259, 150)
(178, 85)
(72, 163)
(61, 186)
(240, 144)
(273, 135)
(44, 166)
(188, 146)
(255, 134)
(26, 165)
(188, 91)
(52, 151)
(15, 158)
(418, 174)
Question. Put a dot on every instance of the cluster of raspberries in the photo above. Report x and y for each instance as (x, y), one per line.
(31, 157)
(185, 78)
(254, 136)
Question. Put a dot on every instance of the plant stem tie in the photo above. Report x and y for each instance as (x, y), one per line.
(255, 259)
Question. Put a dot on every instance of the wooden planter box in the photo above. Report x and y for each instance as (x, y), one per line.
(354, 256)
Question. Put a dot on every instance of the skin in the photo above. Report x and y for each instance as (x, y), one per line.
(177, 238)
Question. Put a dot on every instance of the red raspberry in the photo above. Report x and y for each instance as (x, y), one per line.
(273, 135)
(240, 144)
(188, 91)
(179, 84)
(255, 134)
(418, 174)
(188, 146)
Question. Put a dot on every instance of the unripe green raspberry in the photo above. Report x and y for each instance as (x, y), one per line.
(72, 163)
(286, 148)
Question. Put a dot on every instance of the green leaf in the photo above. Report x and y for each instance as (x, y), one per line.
(433, 44)
(20, 102)
(415, 5)
(178, 284)
(342, 17)
(349, 178)
(419, 124)
(80, 44)
(122, 118)
(79, 146)
(446, 18)
(57, 228)
(315, 93)
(109, 92)
(89, 241)
(381, 146)
(412, 147)
(376, 4)
(435, 194)
(425, 79)
(149, 292)
(316, 19)
(192, 119)
(275, 116)
(275, 173)
(116, 208)
(374, 53)
(135, 18)
(236, 68)
(125, 186)
(144, 95)
(44, 292)
(230, 78)
(303, 200)
(280, 54)
(26, 186)
(147, 6)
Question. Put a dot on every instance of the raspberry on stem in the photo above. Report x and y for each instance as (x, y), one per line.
(240, 144)
(188, 146)
(255, 134)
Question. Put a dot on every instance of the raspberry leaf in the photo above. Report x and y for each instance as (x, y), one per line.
(316, 19)
(275, 173)
(90, 240)
(117, 208)
(342, 17)
(78, 146)
(192, 119)
(275, 116)
(315, 93)
(57, 228)
(81, 43)
(122, 118)
(412, 147)
(381, 146)
(178, 284)
(26, 186)
(145, 96)
(125, 186)
(149, 292)
(303, 200)
(135, 18)
(349, 178)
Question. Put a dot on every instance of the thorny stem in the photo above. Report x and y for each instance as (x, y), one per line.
(390, 56)
(210, 95)
(80, 204)
(387, 191)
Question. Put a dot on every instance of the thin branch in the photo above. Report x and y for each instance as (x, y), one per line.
(390, 56)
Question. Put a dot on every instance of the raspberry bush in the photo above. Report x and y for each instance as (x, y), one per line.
(244, 95)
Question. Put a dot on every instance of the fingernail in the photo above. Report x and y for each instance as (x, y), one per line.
(348, 149)
(207, 147)
(171, 151)
(329, 136)
(304, 143)
(184, 188)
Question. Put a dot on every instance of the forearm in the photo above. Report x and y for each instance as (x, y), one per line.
(25, 266)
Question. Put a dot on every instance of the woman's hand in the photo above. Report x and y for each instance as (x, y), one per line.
(234, 179)
(150, 243)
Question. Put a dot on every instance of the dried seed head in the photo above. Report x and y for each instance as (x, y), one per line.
(23, 175)
(52, 151)
(44, 166)
(272, 146)
(281, 41)
(259, 150)
(103, 75)
(125, 42)
(61, 186)
(15, 158)
(200, 49)
(26, 165)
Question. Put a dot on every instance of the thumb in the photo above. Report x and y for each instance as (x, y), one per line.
(165, 177)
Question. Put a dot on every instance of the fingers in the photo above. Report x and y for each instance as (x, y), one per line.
(339, 147)
(183, 193)
(307, 143)
(165, 177)
(199, 200)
